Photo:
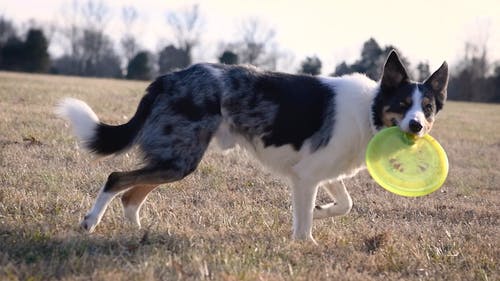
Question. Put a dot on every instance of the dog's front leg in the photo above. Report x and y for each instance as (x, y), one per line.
(94, 216)
(303, 198)
(342, 204)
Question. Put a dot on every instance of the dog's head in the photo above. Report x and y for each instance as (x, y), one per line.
(410, 105)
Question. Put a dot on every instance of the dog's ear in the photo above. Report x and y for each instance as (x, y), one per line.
(438, 83)
(394, 72)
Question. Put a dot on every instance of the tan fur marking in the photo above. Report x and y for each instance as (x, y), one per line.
(428, 124)
(137, 194)
(425, 101)
(428, 121)
(387, 117)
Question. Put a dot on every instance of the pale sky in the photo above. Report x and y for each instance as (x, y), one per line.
(423, 30)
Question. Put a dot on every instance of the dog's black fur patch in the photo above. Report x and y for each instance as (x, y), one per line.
(281, 109)
(185, 106)
(302, 105)
(395, 99)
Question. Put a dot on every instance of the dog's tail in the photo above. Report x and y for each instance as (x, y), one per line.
(104, 139)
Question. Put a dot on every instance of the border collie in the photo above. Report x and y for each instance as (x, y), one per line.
(311, 130)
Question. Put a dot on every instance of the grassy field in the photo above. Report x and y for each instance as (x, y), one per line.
(230, 220)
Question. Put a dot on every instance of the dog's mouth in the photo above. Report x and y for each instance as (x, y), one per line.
(414, 135)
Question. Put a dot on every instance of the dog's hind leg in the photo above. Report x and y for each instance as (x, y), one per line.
(132, 201)
(120, 181)
(342, 204)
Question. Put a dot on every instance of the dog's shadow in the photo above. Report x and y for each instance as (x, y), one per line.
(63, 256)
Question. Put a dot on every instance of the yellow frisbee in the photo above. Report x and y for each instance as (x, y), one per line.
(406, 165)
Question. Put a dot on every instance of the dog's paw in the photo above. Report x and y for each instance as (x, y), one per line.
(89, 223)
(321, 212)
(131, 213)
(331, 210)
(304, 238)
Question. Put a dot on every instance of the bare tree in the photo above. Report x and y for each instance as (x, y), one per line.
(476, 59)
(470, 80)
(7, 30)
(128, 42)
(473, 78)
(255, 39)
(70, 32)
(95, 15)
(256, 45)
(186, 26)
(89, 51)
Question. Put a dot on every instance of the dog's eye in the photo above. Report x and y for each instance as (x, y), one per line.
(428, 109)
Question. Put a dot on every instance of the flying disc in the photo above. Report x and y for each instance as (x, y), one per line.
(405, 164)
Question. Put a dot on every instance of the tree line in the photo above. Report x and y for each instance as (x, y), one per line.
(89, 51)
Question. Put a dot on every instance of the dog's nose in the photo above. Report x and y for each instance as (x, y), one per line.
(415, 126)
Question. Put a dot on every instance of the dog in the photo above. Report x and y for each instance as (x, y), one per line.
(311, 130)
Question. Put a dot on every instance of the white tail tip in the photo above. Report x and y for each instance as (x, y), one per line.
(82, 118)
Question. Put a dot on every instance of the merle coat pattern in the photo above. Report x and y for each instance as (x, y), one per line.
(311, 130)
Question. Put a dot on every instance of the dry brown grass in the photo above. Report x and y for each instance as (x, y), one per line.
(230, 220)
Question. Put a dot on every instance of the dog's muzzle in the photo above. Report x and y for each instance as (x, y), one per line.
(415, 127)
